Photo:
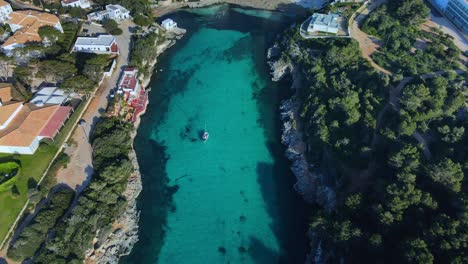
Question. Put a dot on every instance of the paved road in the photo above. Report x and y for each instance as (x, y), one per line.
(80, 169)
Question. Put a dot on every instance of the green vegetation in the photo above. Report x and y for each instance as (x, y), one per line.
(32, 166)
(72, 11)
(112, 27)
(49, 33)
(34, 234)
(405, 47)
(143, 20)
(144, 51)
(397, 167)
(55, 71)
(8, 170)
(102, 200)
(70, 30)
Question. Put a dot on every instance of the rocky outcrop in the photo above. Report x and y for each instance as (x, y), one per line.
(124, 234)
(310, 184)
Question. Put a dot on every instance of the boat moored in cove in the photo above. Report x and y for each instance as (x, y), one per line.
(205, 135)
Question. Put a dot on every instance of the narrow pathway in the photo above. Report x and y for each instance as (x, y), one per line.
(394, 102)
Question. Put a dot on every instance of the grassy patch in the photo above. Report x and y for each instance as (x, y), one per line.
(8, 170)
(32, 166)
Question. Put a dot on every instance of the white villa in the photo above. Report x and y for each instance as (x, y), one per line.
(115, 12)
(5, 11)
(24, 125)
(168, 24)
(25, 24)
(76, 3)
(329, 23)
(102, 44)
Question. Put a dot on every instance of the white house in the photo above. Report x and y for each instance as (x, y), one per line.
(76, 3)
(24, 125)
(26, 24)
(168, 24)
(102, 44)
(115, 12)
(5, 11)
(129, 82)
(328, 23)
(118, 12)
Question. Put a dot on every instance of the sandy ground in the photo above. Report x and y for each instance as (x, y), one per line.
(79, 169)
(368, 44)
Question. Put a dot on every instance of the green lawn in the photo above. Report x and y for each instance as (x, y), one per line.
(32, 166)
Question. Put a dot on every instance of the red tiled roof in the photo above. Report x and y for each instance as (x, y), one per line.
(139, 104)
(56, 122)
(114, 48)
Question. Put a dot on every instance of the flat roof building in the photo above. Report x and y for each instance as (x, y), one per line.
(5, 11)
(115, 12)
(50, 95)
(102, 44)
(328, 23)
(168, 24)
(76, 3)
(457, 12)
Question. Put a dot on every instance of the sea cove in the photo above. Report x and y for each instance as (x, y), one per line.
(229, 199)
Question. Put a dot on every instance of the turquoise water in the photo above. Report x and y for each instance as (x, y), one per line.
(230, 199)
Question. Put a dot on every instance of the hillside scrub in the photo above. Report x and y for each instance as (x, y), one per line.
(396, 203)
(101, 202)
(34, 234)
(398, 25)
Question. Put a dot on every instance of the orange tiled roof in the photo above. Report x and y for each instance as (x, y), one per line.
(30, 22)
(6, 93)
(27, 125)
(7, 110)
(26, 17)
(3, 3)
(22, 37)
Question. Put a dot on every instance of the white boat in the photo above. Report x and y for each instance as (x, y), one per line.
(205, 135)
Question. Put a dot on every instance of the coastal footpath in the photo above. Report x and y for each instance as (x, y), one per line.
(124, 233)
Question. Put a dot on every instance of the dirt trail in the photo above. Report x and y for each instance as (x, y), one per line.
(367, 44)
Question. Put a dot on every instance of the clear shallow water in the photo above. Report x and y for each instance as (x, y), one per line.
(230, 199)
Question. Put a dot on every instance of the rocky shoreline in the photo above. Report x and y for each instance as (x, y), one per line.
(124, 232)
(310, 184)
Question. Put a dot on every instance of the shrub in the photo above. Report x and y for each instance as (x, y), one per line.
(34, 234)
